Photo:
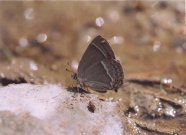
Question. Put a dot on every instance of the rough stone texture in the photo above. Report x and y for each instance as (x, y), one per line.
(50, 109)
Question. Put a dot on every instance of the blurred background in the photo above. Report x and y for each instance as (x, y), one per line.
(39, 39)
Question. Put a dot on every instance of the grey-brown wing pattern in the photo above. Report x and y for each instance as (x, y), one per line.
(98, 50)
(98, 67)
(105, 75)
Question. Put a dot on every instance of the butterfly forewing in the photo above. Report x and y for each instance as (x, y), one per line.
(98, 50)
(103, 46)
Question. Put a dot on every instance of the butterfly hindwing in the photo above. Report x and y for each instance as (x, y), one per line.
(106, 74)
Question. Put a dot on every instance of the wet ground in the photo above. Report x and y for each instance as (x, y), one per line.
(39, 39)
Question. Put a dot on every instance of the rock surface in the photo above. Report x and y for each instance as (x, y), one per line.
(52, 110)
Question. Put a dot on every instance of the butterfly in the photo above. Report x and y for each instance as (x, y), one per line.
(98, 67)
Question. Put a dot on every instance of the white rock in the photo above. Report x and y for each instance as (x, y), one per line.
(57, 111)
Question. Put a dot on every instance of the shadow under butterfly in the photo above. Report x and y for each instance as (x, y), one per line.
(98, 68)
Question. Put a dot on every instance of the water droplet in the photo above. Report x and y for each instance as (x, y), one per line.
(113, 15)
(156, 46)
(33, 66)
(100, 21)
(41, 37)
(136, 108)
(180, 101)
(170, 111)
(116, 40)
(29, 13)
(166, 81)
(159, 109)
(23, 42)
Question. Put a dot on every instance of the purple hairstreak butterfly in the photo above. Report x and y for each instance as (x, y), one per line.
(98, 67)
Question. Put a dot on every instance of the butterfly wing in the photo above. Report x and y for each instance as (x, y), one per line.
(98, 50)
(103, 75)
